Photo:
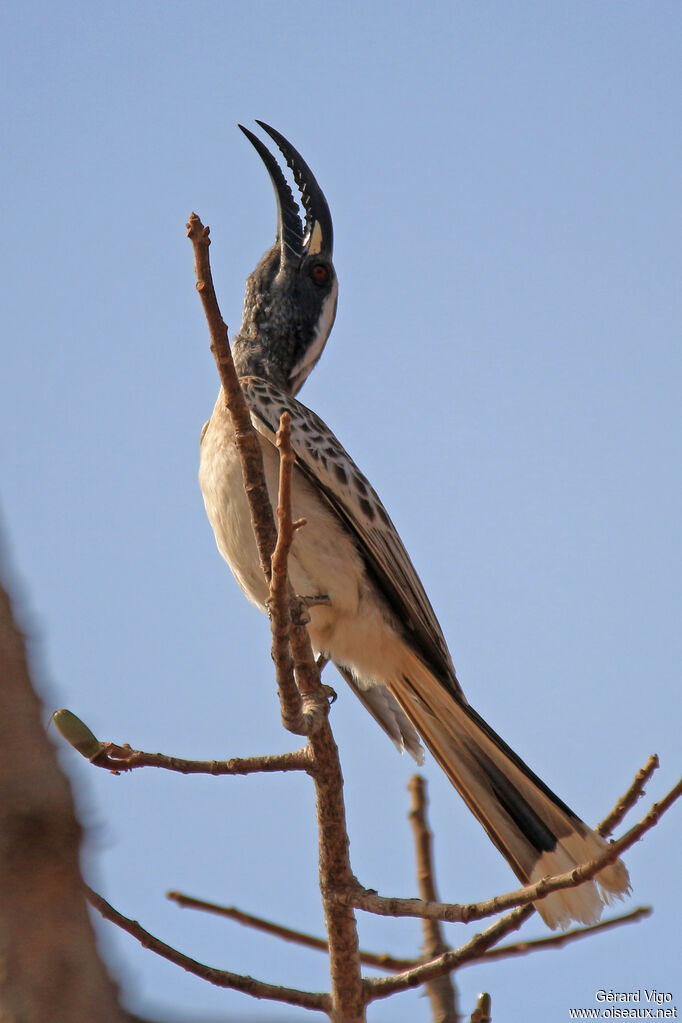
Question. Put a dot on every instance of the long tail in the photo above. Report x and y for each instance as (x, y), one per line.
(535, 831)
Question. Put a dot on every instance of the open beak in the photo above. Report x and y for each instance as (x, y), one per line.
(296, 242)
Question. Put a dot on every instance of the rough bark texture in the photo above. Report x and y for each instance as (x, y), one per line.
(49, 969)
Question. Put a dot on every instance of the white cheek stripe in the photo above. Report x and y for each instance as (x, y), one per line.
(322, 329)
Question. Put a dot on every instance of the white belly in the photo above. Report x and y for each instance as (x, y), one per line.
(354, 630)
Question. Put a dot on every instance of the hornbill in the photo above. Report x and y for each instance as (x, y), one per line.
(371, 615)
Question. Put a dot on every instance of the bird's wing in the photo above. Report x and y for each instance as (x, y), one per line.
(338, 481)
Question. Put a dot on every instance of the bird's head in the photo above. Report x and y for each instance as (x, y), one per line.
(290, 300)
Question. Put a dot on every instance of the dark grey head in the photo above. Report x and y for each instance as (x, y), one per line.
(290, 300)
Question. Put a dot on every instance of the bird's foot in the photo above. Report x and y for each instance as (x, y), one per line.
(306, 602)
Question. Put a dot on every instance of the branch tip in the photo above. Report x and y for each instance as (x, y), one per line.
(221, 978)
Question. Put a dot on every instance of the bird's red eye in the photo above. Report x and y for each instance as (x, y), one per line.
(319, 273)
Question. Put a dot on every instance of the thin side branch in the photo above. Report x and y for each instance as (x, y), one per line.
(522, 948)
(441, 991)
(368, 900)
(303, 706)
(221, 978)
(377, 960)
(635, 792)
(122, 758)
(382, 987)
(398, 964)
(480, 949)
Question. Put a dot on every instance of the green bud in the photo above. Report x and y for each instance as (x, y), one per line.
(76, 732)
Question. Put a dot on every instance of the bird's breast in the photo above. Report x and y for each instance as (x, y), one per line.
(323, 561)
(227, 507)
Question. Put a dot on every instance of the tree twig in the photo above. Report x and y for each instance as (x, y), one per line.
(382, 987)
(520, 948)
(370, 901)
(441, 990)
(635, 792)
(117, 758)
(245, 435)
(302, 699)
(377, 960)
(221, 978)
(296, 718)
(397, 964)
(480, 949)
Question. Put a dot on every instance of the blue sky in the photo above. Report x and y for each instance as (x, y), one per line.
(505, 366)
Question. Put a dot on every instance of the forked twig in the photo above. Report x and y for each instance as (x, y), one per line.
(397, 964)
(382, 987)
(335, 871)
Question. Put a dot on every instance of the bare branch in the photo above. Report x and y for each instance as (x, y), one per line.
(441, 990)
(480, 949)
(279, 604)
(221, 978)
(382, 987)
(521, 948)
(378, 960)
(335, 876)
(368, 900)
(295, 718)
(247, 441)
(117, 758)
(397, 964)
(635, 792)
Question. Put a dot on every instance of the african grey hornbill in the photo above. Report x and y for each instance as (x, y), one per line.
(376, 622)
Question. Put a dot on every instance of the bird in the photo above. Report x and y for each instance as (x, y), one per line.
(370, 614)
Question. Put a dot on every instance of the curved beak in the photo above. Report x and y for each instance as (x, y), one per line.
(295, 241)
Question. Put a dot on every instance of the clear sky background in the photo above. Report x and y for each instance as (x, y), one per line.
(504, 180)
